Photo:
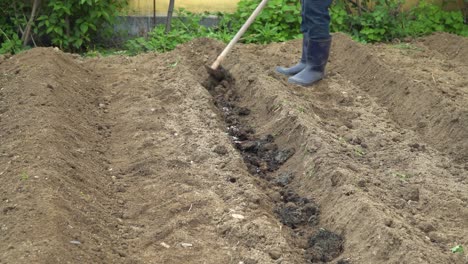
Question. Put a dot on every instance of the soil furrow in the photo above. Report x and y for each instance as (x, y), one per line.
(433, 108)
(263, 157)
(131, 160)
(186, 194)
(56, 204)
(350, 145)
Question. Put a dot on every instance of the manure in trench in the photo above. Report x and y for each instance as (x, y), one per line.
(263, 156)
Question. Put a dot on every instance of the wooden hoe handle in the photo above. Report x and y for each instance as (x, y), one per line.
(239, 34)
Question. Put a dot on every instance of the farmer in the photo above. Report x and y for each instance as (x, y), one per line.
(315, 45)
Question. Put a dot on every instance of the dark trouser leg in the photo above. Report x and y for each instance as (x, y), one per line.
(316, 18)
(302, 63)
(316, 24)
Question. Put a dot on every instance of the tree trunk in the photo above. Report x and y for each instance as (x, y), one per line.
(170, 11)
(154, 13)
(465, 11)
(27, 32)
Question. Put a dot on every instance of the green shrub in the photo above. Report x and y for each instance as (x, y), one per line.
(374, 21)
(185, 27)
(158, 40)
(68, 24)
(426, 18)
(71, 24)
(381, 22)
(384, 21)
(11, 43)
(279, 21)
(10, 23)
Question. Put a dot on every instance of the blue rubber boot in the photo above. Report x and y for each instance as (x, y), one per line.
(300, 65)
(317, 52)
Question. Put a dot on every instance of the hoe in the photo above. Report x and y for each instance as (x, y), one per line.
(216, 70)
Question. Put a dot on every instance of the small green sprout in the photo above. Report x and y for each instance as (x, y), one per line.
(24, 176)
(359, 151)
(403, 176)
(457, 249)
(407, 46)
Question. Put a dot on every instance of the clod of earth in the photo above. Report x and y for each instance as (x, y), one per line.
(284, 179)
(294, 215)
(324, 246)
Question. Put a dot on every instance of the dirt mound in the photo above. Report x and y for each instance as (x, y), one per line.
(55, 196)
(132, 160)
(429, 98)
(452, 46)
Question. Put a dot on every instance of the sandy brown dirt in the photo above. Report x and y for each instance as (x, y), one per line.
(132, 160)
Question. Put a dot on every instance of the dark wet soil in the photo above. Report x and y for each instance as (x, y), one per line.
(263, 156)
(324, 246)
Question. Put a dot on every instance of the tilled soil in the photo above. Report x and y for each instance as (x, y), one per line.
(141, 160)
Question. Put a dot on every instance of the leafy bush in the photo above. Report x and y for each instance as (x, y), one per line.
(10, 23)
(373, 21)
(158, 40)
(11, 43)
(185, 27)
(279, 21)
(426, 18)
(71, 24)
(68, 24)
(381, 22)
(384, 21)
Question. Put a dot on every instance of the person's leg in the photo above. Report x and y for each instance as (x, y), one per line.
(302, 63)
(316, 18)
(316, 24)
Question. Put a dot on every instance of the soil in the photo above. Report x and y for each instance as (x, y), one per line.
(144, 160)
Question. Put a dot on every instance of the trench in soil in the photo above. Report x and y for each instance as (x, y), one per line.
(125, 160)
(263, 157)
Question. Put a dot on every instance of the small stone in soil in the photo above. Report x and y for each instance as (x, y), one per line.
(75, 242)
(290, 196)
(243, 111)
(221, 150)
(250, 261)
(284, 179)
(186, 245)
(165, 245)
(238, 216)
(275, 254)
(268, 147)
(282, 156)
(247, 146)
(343, 261)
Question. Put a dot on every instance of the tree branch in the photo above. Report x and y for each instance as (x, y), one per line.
(170, 11)
(27, 32)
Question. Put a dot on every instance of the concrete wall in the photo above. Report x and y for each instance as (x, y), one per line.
(139, 26)
(145, 7)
